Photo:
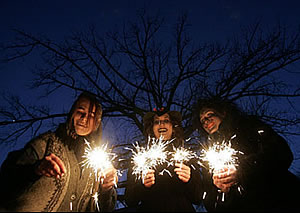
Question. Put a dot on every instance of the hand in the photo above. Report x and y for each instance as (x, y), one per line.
(51, 166)
(109, 179)
(183, 172)
(149, 179)
(225, 178)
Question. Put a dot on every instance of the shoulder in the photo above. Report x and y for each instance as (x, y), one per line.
(40, 143)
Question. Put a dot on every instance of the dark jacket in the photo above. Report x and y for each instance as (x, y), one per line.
(23, 190)
(264, 182)
(168, 194)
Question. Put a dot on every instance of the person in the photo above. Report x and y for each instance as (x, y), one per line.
(173, 192)
(47, 175)
(261, 180)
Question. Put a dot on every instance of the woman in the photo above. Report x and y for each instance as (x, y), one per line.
(261, 181)
(46, 175)
(168, 192)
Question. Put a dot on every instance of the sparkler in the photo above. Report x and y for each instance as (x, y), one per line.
(145, 158)
(98, 158)
(220, 156)
(181, 155)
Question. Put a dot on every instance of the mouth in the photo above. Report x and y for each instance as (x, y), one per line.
(210, 125)
(82, 125)
(162, 130)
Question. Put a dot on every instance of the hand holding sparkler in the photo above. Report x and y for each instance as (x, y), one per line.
(109, 179)
(225, 178)
(149, 179)
(179, 156)
(183, 172)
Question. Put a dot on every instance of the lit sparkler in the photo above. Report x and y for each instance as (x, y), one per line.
(98, 158)
(181, 155)
(145, 158)
(220, 156)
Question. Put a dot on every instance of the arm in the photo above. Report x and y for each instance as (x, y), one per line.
(18, 170)
(107, 191)
(266, 152)
(134, 190)
(191, 179)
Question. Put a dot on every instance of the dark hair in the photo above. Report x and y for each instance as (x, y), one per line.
(175, 118)
(96, 133)
(224, 109)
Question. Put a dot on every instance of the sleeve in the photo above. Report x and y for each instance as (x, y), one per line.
(135, 190)
(107, 200)
(267, 152)
(195, 185)
(18, 170)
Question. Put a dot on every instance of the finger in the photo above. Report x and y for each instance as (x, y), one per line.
(185, 170)
(150, 171)
(108, 186)
(183, 174)
(183, 178)
(182, 166)
(149, 182)
(59, 163)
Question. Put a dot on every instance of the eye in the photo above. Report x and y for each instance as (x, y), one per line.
(166, 121)
(156, 122)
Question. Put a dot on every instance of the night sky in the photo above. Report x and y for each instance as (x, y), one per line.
(210, 20)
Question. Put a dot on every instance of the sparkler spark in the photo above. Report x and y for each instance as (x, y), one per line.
(145, 158)
(181, 155)
(98, 158)
(95, 196)
(220, 156)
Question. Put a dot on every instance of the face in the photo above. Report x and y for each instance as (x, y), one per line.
(84, 121)
(162, 126)
(210, 121)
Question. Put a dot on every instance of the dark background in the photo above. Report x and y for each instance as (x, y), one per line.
(210, 20)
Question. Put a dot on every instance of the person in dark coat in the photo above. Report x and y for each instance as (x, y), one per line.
(261, 180)
(174, 192)
(47, 174)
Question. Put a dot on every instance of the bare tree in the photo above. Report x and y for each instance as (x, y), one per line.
(146, 65)
(139, 67)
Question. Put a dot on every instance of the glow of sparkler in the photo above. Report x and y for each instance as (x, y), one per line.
(98, 158)
(145, 158)
(220, 156)
(181, 155)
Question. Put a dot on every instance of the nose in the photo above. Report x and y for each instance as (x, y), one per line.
(84, 116)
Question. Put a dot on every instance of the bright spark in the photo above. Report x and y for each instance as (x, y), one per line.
(181, 155)
(98, 158)
(145, 158)
(95, 196)
(220, 156)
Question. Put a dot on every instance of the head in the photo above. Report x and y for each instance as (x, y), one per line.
(209, 114)
(210, 120)
(84, 118)
(163, 123)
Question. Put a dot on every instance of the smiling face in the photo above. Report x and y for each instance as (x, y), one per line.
(162, 126)
(84, 118)
(210, 121)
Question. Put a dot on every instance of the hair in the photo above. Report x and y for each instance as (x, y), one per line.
(226, 110)
(96, 133)
(175, 121)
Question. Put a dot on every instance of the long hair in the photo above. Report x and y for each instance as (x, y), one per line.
(96, 133)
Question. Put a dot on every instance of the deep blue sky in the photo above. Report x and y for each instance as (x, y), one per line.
(211, 20)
